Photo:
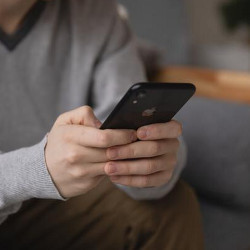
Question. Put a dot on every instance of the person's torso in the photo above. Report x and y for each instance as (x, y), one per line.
(50, 70)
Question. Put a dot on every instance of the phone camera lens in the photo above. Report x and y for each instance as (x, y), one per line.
(141, 94)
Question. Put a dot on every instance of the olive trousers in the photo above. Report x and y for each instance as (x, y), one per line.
(106, 218)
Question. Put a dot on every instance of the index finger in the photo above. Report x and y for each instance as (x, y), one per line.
(93, 137)
(168, 130)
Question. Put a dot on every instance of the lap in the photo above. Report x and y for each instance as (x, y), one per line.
(106, 218)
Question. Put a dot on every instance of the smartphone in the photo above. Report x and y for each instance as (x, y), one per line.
(148, 103)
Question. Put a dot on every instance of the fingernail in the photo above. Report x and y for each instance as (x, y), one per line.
(112, 169)
(142, 133)
(113, 153)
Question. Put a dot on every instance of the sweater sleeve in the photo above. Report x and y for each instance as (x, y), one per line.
(24, 175)
(118, 68)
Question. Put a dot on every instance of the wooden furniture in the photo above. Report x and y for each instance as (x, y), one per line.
(218, 84)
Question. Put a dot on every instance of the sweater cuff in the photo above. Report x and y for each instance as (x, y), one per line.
(45, 187)
(25, 176)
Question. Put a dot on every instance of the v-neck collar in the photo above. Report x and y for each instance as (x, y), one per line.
(11, 41)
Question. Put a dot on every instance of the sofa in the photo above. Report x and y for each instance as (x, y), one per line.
(217, 134)
(216, 128)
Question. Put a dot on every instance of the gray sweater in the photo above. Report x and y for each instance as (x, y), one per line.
(78, 52)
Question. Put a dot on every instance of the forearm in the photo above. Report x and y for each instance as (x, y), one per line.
(5, 211)
(23, 175)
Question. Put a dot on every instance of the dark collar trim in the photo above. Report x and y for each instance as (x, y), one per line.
(11, 41)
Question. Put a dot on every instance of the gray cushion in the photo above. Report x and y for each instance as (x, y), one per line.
(225, 228)
(217, 134)
(218, 139)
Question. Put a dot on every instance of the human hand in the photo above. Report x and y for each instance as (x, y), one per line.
(149, 162)
(76, 151)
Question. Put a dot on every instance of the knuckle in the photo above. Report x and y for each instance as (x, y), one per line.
(103, 139)
(66, 137)
(155, 148)
(72, 157)
(127, 169)
(150, 167)
(59, 118)
(82, 172)
(131, 153)
(62, 116)
(79, 173)
(146, 181)
(87, 110)
(125, 136)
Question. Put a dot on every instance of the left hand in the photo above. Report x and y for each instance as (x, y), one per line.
(149, 162)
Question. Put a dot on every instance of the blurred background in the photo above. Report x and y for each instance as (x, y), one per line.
(193, 31)
(207, 43)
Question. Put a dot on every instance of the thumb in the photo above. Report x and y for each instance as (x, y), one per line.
(80, 116)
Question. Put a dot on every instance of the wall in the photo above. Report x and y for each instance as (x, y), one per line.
(191, 32)
(213, 46)
(206, 22)
(163, 22)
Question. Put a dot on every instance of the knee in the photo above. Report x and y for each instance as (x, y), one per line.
(182, 197)
(163, 221)
(181, 203)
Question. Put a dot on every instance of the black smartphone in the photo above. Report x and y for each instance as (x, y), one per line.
(148, 103)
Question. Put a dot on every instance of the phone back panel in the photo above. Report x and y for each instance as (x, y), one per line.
(147, 103)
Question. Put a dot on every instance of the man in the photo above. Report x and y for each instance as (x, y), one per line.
(56, 57)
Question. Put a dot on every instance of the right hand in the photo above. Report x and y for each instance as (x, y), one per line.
(76, 151)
